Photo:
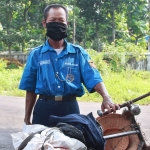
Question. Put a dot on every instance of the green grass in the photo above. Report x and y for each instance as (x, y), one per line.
(122, 87)
(9, 81)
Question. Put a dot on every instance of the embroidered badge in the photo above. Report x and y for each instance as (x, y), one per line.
(44, 62)
(69, 76)
(91, 63)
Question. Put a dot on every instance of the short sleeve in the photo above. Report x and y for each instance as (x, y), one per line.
(29, 77)
(90, 75)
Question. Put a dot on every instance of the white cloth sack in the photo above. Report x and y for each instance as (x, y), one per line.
(56, 141)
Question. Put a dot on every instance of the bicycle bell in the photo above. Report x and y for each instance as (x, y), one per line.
(126, 113)
(135, 109)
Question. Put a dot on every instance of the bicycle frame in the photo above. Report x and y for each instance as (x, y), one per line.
(135, 128)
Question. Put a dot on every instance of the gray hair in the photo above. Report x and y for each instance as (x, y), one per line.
(47, 8)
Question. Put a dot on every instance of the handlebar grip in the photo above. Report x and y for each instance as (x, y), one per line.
(100, 113)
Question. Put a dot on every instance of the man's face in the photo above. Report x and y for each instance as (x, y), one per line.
(56, 15)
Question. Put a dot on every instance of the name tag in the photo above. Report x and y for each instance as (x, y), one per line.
(70, 64)
(44, 62)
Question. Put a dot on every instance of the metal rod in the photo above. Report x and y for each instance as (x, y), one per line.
(120, 134)
(135, 100)
(125, 104)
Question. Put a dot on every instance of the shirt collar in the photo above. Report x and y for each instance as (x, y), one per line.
(68, 47)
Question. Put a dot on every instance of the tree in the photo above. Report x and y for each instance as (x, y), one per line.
(136, 18)
(91, 22)
(8, 34)
(111, 10)
(91, 10)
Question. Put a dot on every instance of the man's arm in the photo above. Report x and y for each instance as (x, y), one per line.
(107, 101)
(30, 101)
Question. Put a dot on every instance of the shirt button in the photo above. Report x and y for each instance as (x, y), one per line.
(58, 86)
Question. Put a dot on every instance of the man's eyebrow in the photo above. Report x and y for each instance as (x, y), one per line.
(62, 18)
(55, 17)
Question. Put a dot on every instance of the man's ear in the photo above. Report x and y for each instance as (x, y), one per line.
(44, 23)
(68, 23)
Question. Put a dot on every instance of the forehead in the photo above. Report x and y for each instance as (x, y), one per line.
(56, 12)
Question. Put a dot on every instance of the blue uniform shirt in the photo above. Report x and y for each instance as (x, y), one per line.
(51, 74)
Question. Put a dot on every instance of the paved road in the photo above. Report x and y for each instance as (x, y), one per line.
(12, 114)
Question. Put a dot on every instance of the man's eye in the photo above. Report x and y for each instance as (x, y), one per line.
(62, 20)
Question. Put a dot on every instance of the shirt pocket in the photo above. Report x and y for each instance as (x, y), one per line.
(71, 73)
(46, 73)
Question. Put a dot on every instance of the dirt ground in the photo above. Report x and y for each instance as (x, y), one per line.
(12, 114)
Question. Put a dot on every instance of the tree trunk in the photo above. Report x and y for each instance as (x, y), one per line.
(136, 41)
(85, 35)
(113, 23)
(9, 49)
(23, 45)
(74, 26)
(97, 37)
(149, 26)
(74, 31)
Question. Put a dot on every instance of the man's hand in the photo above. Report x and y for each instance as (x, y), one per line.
(107, 101)
(27, 122)
(109, 105)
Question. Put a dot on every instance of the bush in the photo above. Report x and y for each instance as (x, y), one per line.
(123, 84)
(3, 64)
(117, 56)
(16, 48)
(122, 87)
(9, 82)
(12, 63)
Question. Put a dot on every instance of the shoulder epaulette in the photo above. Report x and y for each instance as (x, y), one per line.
(80, 48)
(35, 49)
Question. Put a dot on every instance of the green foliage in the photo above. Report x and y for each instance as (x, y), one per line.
(3, 64)
(16, 48)
(9, 81)
(117, 55)
(20, 23)
(101, 65)
(122, 83)
(136, 18)
(12, 66)
(1, 46)
(96, 22)
(122, 87)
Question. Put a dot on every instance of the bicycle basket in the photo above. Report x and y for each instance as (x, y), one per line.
(115, 123)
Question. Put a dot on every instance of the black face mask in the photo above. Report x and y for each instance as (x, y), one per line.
(56, 30)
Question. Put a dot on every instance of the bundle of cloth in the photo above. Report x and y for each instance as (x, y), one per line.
(71, 132)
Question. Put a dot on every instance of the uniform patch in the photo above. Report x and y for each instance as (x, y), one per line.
(70, 64)
(91, 63)
(44, 62)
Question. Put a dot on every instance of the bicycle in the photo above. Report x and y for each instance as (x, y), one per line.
(121, 131)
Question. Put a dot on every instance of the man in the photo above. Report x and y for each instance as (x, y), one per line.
(56, 70)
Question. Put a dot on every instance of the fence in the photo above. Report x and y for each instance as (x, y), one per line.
(134, 64)
(21, 57)
(143, 64)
